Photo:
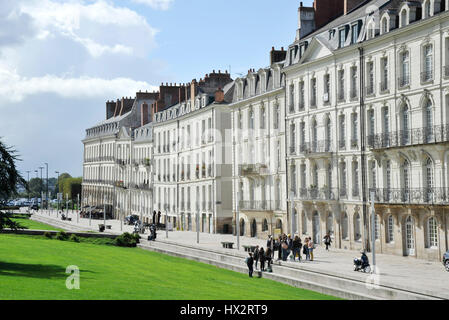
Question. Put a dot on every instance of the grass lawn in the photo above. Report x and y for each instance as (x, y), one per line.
(34, 268)
(33, 225)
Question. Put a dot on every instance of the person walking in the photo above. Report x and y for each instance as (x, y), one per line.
(262, 259)
(268, 258)
(154, 217)
(250, 264)
(310, 245)
(305, 249)
(327, 241)
(296, 247)
(279, 248)
(270, 243)
(289, 244)
(256, 256)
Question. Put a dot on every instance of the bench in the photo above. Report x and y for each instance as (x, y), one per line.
(228, 245)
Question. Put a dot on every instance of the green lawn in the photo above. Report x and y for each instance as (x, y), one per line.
(34, 268)
(33, 225)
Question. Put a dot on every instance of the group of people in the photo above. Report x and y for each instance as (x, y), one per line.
(285, 246)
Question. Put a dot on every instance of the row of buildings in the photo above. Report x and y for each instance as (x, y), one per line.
(355, 109)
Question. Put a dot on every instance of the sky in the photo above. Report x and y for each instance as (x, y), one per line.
(61, 60)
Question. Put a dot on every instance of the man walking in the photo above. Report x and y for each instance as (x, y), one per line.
(256, 256)
(296, 247)
(250, 263)
(327, 241)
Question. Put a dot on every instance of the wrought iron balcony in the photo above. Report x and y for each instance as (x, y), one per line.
(403, 81)
(259, 205)
(259, 169)
(324, 194)
(427, 76)
(418, 136)
(412, 196)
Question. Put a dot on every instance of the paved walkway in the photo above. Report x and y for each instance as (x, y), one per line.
(399, 272)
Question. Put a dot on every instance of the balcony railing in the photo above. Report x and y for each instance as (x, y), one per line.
(412, 196)
(318, 194)
(427, 76)
(403, 81)
(260, 205)
(322, 146)
(259, 169)
(427, 135)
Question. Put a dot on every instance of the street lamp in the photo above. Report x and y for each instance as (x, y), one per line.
(57, 172)
(42, 188)
(28, 189)
(46, 195)
(237, 220)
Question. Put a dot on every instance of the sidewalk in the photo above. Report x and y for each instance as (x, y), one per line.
(400, 272)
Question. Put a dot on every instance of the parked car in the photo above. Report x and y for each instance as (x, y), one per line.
(446, 261)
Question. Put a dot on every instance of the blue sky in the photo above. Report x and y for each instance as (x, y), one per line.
(61, 60)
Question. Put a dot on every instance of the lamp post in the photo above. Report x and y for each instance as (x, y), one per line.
(291, 213)
(198, 227)
(90, 211)
(373, 229)
(46, 194)
(237, 220)
(42, 188)
(104, 212)
(57, 181)
(78, 214)
(28, 189)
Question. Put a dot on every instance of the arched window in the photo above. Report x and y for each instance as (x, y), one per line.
(345, 224)
(251, 119)
(429, 179)
(376, 227)
(405, 69)
(432, 233)
(357, 227)
(265, 225)
(384, 25)
(428, 121)
(406, 180)
(405, 125)
(390, 229)
(427, 9)
(428, 63)
(404, 17)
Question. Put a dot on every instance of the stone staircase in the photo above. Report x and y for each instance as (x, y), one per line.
(325, 283)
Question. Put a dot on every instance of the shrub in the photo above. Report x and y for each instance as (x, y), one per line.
(136, 237)
(62, 236)
(126, 240)
(48, 235)
(74, 238)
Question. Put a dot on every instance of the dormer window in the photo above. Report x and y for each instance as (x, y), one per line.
(384, 24)
(403, 18)
(427, 12)
(354, 33)
(341, 37)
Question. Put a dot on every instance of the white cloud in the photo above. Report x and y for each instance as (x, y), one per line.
(15, 88)
(100, 27)
(156, 4)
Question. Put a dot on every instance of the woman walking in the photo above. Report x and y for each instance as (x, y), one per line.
(327, 241)
(310, 245)
(305, 249)
(268, 258)
(262, 259)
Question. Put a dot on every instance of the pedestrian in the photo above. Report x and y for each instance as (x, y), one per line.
(268, 258)
(305, 249)
(310, 245)
(262, 259)
(270, 242)
(300, 247)
(159, 218)
(296, 248)
(250, 263)
(279, 248)
(256, 255)
(154, 217)
(327, 241)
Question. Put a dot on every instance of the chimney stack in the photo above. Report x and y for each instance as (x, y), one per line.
(144, 116)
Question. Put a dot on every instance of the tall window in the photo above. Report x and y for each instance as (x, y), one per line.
(428, 63)
(303, 176)
(341, 85)
(384, 71)
(388, 179)
(328, 134)
(404, 15)
(404, 79)
(342, 132)
(262, 118)
(342, 37)
(251, 119)
(373, 175)
(329, 177)
(314, 135)
(354, 80)
(427, 11)
(326, 97)
(390, 229)
(405, 125)
(302, 133)
(293, 179)
(301, 95)
(276, 117)
(357, 227)
(292, 98)
(376, 227)
(354, 130)
(313, 92)
(386, 121)
(406, 180)
(429, 178)
(432, 233)
(354, 33)
(292, 138)
(355, 179)
(428, 120)
(370, 78)
(343, 182)
(384, 25)
(345, 224)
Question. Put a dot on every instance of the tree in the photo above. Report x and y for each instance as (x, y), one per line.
(60, 182)
(72, 187)
(10, 178)
(35, 187)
